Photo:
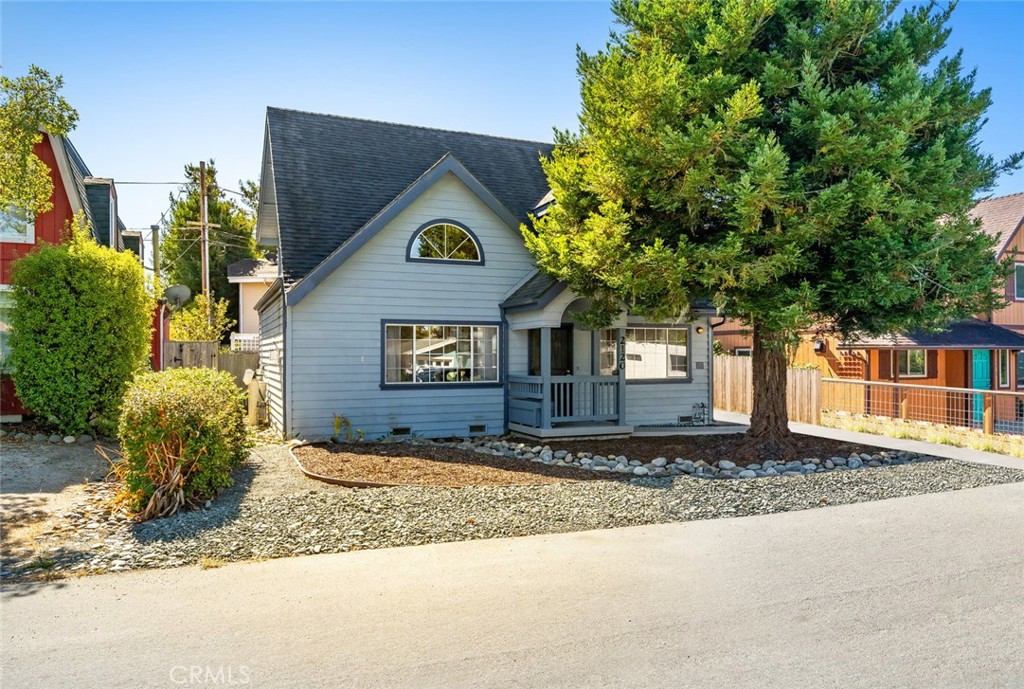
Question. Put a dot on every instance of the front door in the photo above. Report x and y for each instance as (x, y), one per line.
(981, 379)
(561, 351)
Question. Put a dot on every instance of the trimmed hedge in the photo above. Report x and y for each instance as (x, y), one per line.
(80, 329)
(182, 432)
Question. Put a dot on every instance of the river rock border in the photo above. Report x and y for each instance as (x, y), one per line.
(54, 439)
(664, 466)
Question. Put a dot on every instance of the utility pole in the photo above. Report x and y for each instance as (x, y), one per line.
(205, 241)
(155, 229)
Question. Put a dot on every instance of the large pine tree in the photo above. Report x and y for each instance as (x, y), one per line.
(796, 161)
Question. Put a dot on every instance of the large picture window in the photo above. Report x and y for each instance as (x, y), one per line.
(437, 353)
(17, 226)
(1018, 282)
(445, 241)
(651, 353)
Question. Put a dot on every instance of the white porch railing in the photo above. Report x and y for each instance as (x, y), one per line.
(245, 342)
(565, 399)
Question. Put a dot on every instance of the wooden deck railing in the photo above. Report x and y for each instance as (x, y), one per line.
(565, 399)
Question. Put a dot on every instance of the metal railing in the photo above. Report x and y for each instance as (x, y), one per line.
(565, 399)
(245, 342)
(991, 411)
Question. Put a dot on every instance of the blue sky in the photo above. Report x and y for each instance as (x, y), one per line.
(161, 84)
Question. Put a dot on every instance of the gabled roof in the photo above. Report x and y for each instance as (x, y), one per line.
(1000, 217)
(967, 334)
(333, 175)
(80, 171)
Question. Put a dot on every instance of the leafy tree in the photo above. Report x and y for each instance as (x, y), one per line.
(232, 241)
(29, 105)
(795, 161)
(80, 328)
(203, 320)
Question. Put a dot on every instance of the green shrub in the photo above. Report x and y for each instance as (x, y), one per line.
(80, 329)
(182, 431)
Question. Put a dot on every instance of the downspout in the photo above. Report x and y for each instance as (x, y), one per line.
(285, 368)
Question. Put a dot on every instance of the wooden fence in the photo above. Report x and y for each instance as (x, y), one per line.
(208, 355)
(734, 391)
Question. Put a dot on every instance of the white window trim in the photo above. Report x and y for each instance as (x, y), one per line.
(27, 238)
(684, 377)
(896, 363)
(746, 351)
(1017, 296)
(1001, 369)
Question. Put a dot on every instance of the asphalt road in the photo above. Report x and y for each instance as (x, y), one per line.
(915, 592)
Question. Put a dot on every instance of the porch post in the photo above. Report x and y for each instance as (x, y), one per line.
(620, 370)
(545, 377)
(595, 352)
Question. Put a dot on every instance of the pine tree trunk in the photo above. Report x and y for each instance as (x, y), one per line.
(769, 436)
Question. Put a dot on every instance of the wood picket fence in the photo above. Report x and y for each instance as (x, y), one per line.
(734, 390)
(179, 354)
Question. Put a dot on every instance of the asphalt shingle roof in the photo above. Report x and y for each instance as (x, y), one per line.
(253, 267)
(531, 292)
(333, 174)
(1000, 217)
(967, 334)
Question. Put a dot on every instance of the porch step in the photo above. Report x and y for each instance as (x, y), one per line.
(574, 432)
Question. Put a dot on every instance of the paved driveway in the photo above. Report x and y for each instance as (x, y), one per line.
(914, 592)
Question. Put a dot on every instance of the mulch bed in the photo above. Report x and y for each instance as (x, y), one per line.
(431, 465)
(710, 448)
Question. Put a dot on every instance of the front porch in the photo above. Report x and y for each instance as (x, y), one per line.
(566, 406)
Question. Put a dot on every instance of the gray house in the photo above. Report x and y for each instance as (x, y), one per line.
(406, 301)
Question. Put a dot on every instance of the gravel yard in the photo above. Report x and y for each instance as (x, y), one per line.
(274, 511)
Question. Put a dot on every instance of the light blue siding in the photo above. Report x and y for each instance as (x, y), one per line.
(272, 359)
(334, 357)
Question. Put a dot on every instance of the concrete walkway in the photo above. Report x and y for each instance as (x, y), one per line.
(965, 454)
(912, 592)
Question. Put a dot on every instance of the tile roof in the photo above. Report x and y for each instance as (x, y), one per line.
(967, 334)
(333, 174)
(1000, 217)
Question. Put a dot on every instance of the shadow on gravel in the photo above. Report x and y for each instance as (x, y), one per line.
(223, 510)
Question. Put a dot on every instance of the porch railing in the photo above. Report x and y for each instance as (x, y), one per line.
(565, 399)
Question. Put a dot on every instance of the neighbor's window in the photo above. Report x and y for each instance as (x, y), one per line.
(440, 354)
(17, 226)
(1003, 356)
(444, 242)
(912, 363)
(1018, 281)
(651, 353)
(6, 302)
(742, 351)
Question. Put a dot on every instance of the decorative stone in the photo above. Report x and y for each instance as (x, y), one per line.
(70, 439)
(55, 438)
(641, 471)
(660, 462)
(726, 464)
(685, 466)
(39, 438)
(853, 463)
(748, 473)
(85, 438)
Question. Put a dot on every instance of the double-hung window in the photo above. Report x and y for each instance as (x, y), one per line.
(434, 353)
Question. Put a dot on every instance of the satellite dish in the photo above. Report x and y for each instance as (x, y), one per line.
(176, 295)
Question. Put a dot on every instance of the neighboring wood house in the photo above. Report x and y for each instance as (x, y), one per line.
(985, 353)
(253, 276)
(408, 303)
(74, 189)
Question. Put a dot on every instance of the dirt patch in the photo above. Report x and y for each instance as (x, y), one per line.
(38, 482)
(710, 448)
(430, 465)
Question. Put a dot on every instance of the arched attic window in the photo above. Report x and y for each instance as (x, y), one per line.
(445, 240)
